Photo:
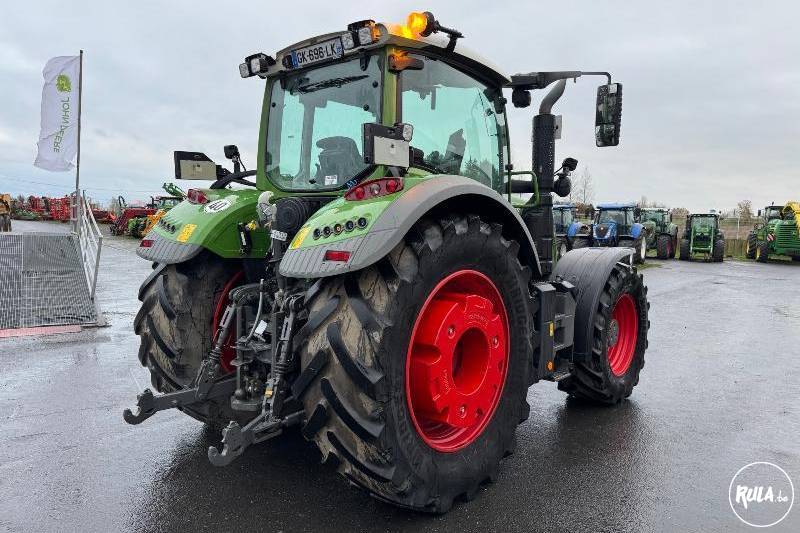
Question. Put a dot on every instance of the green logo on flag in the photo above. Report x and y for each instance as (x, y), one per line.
(63, 83)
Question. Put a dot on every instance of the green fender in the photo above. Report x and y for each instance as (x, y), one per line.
(386, 221)
(188, 228)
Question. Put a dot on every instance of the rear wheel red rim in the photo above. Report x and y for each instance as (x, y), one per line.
(229, 348)
(622, 336)
(457, 360)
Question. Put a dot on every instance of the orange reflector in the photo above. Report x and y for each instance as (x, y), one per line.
(341, 256)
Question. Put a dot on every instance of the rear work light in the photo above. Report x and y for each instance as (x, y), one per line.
(374, 188)
(196, 196)
(340, 256)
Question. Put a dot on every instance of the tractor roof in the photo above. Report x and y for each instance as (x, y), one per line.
(563, 206)
(399, 35)
(700, 215)
(616, 206)
(654, 209)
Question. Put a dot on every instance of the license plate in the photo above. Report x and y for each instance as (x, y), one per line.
(331, 49)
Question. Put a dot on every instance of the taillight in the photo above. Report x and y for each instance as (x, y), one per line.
(146, 243)
(341, 256)
(196, 196)
(374, 188)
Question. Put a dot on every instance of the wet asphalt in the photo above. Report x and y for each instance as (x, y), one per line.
(720, 389)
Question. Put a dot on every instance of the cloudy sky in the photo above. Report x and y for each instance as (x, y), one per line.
(711, 108)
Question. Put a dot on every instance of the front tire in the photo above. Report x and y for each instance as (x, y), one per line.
(762, 252)
(373, 406)
(620, 326)
(752, 244)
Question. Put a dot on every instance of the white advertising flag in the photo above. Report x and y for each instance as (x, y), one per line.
(58, 140)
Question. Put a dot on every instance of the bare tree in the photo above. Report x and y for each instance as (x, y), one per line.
(745, 209)
(582, 187)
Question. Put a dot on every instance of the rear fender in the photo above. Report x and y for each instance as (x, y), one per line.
(588, 269)
(636, 230)
(391, 219)
(187, 229)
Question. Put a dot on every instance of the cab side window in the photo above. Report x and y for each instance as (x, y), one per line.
(455, 123)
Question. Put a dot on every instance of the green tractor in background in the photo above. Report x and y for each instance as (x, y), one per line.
(703, 236)
(661, 234)
(777, 234)
(388, 284)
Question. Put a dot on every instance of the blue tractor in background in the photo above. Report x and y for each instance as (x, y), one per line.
(615, 226)
(566, 227)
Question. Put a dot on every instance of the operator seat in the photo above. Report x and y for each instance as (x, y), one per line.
(339, 160)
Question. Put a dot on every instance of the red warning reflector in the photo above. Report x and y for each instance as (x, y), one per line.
(340, 256)
(146, 243)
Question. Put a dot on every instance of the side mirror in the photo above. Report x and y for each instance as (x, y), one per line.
(608, 116)
(387, 145)
(231, 151)
(194, 166)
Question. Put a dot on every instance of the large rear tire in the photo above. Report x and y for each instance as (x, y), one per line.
(620, 326)
(686, 254)
(176, 324)
(718, 252)
(381, 403)
(664, 247)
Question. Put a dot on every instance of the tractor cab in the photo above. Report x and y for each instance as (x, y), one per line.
(563, 217)
(612, 221)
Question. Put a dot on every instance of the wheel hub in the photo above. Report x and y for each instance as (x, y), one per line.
(623, 331)
(457, 360)
(613, 332)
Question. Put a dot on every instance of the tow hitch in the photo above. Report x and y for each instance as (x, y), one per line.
(270, 400)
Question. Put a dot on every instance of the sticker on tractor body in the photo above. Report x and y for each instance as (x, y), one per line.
(332, 180)
(218, 205)
(186, 232)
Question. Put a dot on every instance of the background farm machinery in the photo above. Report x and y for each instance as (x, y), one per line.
(660, 233)
(615, 225)
(703, 236)
(778, 233)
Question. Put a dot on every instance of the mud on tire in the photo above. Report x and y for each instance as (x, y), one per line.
(594, 380)
(175, 326)
(356, 346)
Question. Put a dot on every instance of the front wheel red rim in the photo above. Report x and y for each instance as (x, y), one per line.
(457, 360)
(622, 335)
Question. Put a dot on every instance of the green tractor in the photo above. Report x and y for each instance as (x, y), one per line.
(390, 285)
(777, 234)
(702, 236)
(661, 234)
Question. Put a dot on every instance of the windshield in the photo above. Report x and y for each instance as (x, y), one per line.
(773, 212)
(611, 215)
(655, 216)
(314, 139)
(702, 224)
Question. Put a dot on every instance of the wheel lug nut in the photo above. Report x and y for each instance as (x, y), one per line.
(462, 412)
(451, 331)
(495, 342)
